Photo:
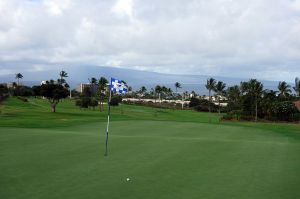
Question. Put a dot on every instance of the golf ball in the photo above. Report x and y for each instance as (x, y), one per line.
(127, 179)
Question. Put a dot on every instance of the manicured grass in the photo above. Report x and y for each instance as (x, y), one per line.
(36, 114)
(165, 153)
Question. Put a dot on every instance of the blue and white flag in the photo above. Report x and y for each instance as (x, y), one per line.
(118, 86)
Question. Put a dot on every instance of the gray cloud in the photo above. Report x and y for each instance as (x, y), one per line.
(239, 38)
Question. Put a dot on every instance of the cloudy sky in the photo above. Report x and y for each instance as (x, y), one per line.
(237, 38)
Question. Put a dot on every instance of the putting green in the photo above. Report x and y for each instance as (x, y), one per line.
(163, 159)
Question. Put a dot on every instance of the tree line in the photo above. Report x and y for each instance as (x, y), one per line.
(250, 101)
(51, 90)
(54, 91)
(160, 92)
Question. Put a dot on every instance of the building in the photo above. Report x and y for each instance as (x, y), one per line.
(92, 87)
(11, 85)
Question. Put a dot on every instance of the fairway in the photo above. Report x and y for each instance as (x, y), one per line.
(163, 157)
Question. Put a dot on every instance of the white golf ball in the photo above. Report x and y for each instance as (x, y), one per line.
(127, 179)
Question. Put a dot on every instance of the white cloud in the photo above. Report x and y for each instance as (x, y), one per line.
(57, 7)
(257, 38)
(123, 7)
(114, 63)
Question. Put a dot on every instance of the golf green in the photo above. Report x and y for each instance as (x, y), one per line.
(161, 159)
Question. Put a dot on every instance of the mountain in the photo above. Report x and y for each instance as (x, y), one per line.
(134, 78)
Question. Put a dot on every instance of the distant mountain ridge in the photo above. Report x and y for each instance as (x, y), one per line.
(134, 78)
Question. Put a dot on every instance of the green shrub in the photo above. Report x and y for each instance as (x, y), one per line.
(115, 100)
(3, 92)
(163, 105)
(93, 103)
(202, 105)
(247, 117)
(194, 102)
(78, 102)
(233, 115)
(228, 117)
(24, 99)
(286, 111)
(22, 91)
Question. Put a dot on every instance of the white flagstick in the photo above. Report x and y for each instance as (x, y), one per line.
(106, 143)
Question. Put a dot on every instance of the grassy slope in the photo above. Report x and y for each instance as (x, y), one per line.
(181, 156)
(36, 113)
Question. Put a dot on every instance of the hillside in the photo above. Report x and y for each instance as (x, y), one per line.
(36, 114)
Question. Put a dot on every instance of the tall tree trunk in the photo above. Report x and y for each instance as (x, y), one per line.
(219, 106)
(100, 105)
(256, 110)
(53, 108)
(209, 100)
(101, 100)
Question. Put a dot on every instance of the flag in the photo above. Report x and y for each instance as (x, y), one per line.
(118, 86)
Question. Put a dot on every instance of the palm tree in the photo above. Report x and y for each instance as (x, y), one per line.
(193, 93)
(158, 90)
(152, 93)
(14, 84)
(210, 85)
(269, 99)
(62, 75)
(164, 92)
(18, 77)
(234, 99)
(102, 85)
(185, 95)
(170, 92)
(284, 89)
(254, 89)
(234, 94)
(67, 86)
(93, 82)
(220, 86)
(143, 90)
(177, 85)
(297, 86)
(258, 89)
